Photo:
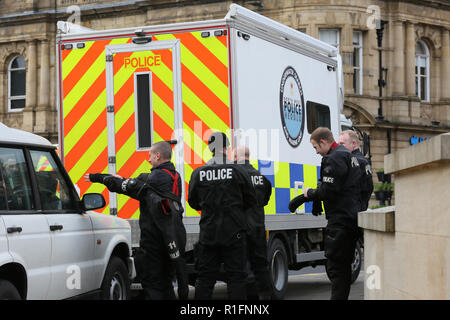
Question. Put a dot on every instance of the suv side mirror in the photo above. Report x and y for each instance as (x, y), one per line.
(93, 201)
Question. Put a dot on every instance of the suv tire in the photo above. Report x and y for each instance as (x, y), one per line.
(8, 291)
(116, 283)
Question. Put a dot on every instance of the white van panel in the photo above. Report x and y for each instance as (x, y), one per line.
(259, 67)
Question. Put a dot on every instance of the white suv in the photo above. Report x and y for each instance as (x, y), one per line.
(51, 247)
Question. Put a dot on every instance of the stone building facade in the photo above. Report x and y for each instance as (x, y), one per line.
(415, 52)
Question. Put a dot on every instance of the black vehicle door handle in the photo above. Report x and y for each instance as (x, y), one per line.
(14, 229)
(56, 227)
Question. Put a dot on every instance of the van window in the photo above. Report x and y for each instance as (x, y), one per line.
(143, 110)
(16, 185)
(317, 115)
(53, 189)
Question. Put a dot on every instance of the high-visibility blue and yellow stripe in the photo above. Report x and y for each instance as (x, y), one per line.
(282, 176)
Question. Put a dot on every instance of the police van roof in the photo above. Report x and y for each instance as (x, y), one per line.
(16, 136)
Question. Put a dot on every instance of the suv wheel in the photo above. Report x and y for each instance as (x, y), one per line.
(116, 283)
(8, 291)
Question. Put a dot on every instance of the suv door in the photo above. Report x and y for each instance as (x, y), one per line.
(71, 231)
(5, 257)
(27, 230)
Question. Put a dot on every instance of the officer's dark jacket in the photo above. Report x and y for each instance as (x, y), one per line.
(223, 192)
(263, 190)
(339, 187)
(155, 225)
(366, 182)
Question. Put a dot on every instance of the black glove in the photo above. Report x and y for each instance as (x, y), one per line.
(297, 202)
(317, 207)
(98, 177)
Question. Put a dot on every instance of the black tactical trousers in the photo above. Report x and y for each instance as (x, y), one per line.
(234, 259)
(257, 255)
(340, 243)
(155, 270)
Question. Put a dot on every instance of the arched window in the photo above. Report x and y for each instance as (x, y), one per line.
(422, 71)
(16, 84)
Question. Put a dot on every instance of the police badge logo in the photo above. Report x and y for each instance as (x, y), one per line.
(292, 106)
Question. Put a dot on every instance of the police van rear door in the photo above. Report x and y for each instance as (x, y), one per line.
(143, 87)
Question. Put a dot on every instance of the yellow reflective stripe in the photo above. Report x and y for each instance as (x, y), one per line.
(86, 81)
(106, 210)
(96, 187)
(309, 176)
(124, 113)
(254, 163)
(126, 152)
(188, 170)
(91, 154)
(205, 75)
(214, 45)
(163, 111)
(135, 215)
(73, 58)
(202, 110)
(270, 208)
(194, 141)
(84, 123)
(282, 177)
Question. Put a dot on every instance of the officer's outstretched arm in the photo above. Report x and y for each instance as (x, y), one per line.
(129, 187)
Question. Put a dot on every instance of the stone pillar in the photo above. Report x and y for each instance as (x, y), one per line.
(410, 60)
(445, 66)
(370, 65)
(43, 112)
(399, 60)
(44, 75)
(31, 79)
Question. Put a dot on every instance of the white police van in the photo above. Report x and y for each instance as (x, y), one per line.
(51, 246)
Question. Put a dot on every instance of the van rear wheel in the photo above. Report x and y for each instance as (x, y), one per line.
(278, 265)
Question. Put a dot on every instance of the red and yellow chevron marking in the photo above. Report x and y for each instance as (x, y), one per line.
(205, 97)
(130, 162)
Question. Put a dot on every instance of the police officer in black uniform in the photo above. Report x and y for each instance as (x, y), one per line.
(223, 192)
(163, 236)
(349, 139)
(256, 235)
(340, 176)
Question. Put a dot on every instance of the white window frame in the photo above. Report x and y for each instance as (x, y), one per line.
(10, 69)
(418, 76)
(358, 46)
(337, 42)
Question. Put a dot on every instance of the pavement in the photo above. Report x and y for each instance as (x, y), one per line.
(317, 286)
(306, 284)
